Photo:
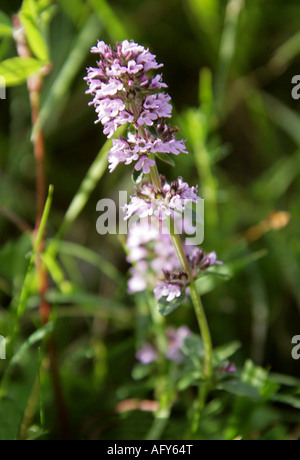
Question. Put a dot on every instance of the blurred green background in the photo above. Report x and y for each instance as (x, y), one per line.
(229, 67)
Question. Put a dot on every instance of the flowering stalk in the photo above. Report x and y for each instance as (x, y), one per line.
(126, 92)
(199, 310)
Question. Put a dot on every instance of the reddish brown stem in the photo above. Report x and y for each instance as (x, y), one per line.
(34, 88)
(34, 84)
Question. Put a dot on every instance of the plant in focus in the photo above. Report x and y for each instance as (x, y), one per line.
(126, 92)
(89, 349)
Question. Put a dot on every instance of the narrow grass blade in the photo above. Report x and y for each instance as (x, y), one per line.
(108, 18)
(26, 286)
(36, 337)
(42, 413)
(93, 258)
(86, 188)
(227, 47)
(68, 73)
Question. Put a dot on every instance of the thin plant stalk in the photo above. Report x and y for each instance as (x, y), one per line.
(199, 310)
(137, 112)
(163, 394)
(198, 307)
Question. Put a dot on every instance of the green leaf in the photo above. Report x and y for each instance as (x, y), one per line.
(224, 276)
(30, 20)
(165, 158)
(93, 258)
(286, 380)
(258, 377)
(18, 390)
(240, 389)
(10, 420)
(190, 378)
(225, 352)
(36, 337)
(137, 176)
(36, 434)
(165, 308)
(5, 25)
(193, 349)
(90, 305)
(17, 70)
(140, 371)
(290, 400)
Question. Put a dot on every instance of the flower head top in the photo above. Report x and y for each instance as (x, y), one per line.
(123, 88)
(163, 203)
(125, 91)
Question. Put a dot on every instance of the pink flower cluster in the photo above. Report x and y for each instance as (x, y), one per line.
(125, 91)
(155, 265)
(150, 251)
(137, 149)
(163, 203)
(175, 282)
(175, 341)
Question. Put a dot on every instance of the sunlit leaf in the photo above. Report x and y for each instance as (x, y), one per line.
(29, 18)
(16, 70)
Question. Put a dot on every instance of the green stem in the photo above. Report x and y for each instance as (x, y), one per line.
(198, 408)
(199, 310)
(200, 313)
(155, 177)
